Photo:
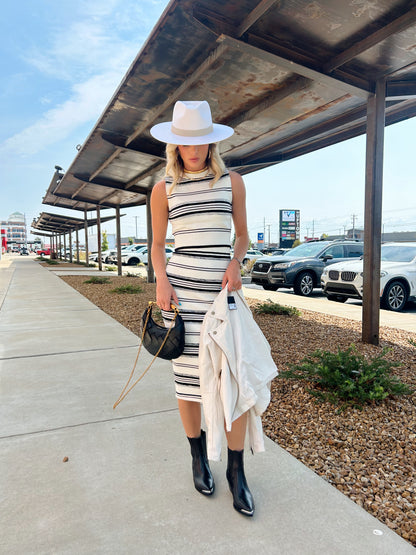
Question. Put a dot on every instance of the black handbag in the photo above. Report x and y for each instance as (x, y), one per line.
(167, 343)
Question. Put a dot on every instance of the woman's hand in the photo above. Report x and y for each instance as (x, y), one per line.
(232, 276)
(165, 295)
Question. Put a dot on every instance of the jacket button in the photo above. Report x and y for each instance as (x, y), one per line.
(214, 333)
(213, 312)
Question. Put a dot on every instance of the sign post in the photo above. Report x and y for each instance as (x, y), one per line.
(289, 221)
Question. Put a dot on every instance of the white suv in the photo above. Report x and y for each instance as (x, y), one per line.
(397, 277)
(134, 258)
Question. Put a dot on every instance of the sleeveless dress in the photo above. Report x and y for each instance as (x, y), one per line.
(201, 218)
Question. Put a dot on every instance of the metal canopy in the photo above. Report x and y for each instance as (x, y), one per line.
(59, 224)
(291, 77)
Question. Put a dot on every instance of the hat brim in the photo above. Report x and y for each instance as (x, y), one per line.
(162, 132)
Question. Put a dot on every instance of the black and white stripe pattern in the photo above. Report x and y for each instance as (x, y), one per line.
(200, 216)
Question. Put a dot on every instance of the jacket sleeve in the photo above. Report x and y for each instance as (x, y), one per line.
(209, 377)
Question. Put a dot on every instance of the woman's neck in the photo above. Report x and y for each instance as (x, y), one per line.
(193, 172)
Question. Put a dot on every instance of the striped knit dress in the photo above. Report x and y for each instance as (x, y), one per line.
(200, 216)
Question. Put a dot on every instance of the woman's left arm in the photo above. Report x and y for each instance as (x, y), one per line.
(232, 275)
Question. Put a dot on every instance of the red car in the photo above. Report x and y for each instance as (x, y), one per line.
(43, 252)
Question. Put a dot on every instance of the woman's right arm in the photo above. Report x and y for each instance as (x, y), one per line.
(165, 293)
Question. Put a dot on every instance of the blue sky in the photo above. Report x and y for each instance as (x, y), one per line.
(61, 62)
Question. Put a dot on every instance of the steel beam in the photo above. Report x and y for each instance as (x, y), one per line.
(100, 262)
(293, 67)
(373, 214)
(109, 184)
(118, 242)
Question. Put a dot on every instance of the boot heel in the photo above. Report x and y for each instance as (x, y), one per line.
(203, 480)
(242, 498)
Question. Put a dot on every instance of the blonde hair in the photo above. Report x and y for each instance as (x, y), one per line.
(175, 168)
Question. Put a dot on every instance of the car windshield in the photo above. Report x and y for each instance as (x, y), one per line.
(398, 253)
(306, 249)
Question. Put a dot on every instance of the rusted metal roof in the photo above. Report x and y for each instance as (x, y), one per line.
(290, 76)
(57, 223)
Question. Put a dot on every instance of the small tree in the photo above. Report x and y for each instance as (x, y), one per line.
(104, 242)
(131, 240)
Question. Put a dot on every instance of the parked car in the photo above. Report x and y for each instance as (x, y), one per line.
(274, 250)
(301, 267)
(134, 258)
(344, 280)
(43, 252)
(112, 258)
(251, 254)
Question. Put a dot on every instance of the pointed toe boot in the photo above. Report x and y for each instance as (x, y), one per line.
(242, 498)
(203, 480)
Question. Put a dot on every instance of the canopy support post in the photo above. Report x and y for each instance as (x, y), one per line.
(373, 214)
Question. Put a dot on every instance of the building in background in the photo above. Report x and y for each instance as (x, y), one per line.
(15, 231)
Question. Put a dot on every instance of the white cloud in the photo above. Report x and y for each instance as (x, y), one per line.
(92, 53)
(105, 36)
(87, 101)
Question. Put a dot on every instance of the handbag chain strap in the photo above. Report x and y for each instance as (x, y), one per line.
(124, 393)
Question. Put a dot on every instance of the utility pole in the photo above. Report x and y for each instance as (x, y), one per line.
(268, 241)
(136, 217)
(313, 229)
(353, 218)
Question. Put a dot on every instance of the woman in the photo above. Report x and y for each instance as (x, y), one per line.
(199, 197)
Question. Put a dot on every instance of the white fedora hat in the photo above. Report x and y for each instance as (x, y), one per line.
(191, 125)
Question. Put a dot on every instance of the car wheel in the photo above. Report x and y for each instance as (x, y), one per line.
(336, 298)
(304, 284)
(395, 296)
(133, 262)
(270, 287)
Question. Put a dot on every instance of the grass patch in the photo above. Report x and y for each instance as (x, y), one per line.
(98, 280)
(348, 378)
(270, 307)
(128, 288)
(89, 265)
(49, 261)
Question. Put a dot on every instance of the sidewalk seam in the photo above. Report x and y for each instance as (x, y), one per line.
(93, 422)
(70, 352)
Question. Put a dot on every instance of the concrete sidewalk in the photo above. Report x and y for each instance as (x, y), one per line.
(127, 486)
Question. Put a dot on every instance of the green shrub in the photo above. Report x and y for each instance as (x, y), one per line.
(348, 377)
(128, 288)
(50, 261)
(110, 268)
(98, 280)
(270, 307)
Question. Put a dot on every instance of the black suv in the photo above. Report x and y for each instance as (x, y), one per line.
(301, 267)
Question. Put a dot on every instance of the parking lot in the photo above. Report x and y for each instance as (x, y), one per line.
(317, 302)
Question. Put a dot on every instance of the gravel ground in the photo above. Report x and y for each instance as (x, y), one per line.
(369, 454)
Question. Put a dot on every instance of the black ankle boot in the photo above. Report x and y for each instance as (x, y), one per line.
(243, 500)
(203, 480)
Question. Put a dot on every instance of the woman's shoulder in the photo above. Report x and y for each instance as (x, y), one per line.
(160, 185)
(159, 189)
(236, 179)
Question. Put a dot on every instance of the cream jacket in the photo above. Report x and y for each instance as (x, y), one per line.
(236, 369)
